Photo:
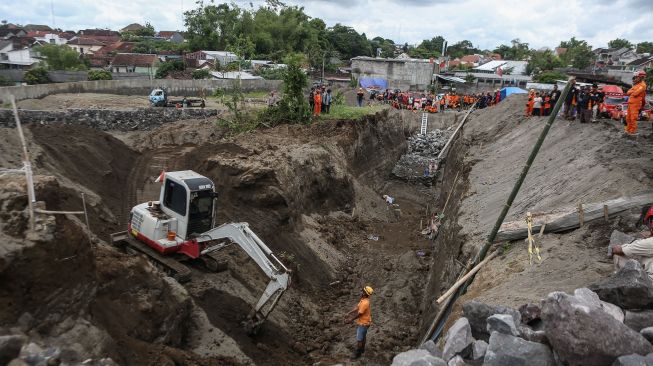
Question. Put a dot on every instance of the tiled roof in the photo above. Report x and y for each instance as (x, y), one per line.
(86, 42)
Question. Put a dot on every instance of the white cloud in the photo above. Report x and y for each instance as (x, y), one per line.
(485, 23)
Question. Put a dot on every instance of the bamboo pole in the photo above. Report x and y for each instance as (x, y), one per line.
(26, 163)
(466, 277)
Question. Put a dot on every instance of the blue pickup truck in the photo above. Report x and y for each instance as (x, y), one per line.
(159, 98)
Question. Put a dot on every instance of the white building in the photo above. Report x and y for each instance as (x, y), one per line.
(51, 38)
(20, 59)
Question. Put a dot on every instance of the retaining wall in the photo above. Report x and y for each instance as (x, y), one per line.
(135, 87)
(106, 119)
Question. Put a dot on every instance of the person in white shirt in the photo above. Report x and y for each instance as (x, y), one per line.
(537, 105)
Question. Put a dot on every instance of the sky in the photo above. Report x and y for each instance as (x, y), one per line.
(487, 23)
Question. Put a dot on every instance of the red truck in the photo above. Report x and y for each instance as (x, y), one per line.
(614, 96)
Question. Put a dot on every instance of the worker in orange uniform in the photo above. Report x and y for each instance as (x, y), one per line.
(363, 315)
(317, 105)
(636, 96)
(531, 103)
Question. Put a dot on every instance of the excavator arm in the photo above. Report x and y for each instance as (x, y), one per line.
(279, 275)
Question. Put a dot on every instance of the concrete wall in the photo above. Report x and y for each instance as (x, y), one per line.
(134, 87)
(106, 119)
(402, 74)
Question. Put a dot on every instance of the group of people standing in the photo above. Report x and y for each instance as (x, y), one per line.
(540, 103)
(436, 103)
(320, 99)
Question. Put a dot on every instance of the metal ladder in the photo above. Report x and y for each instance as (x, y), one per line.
(425, 122)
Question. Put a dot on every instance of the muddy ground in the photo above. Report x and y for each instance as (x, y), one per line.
(312, 193)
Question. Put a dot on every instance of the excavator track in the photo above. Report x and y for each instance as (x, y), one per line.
(169, 265)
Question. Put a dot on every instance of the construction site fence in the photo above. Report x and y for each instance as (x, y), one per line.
(139, 87)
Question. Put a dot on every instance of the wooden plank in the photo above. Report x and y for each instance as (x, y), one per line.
(570, 218)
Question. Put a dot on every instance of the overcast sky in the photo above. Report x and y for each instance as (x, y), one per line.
(486, 23)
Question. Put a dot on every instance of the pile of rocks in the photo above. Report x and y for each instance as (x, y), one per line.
(17, 350)
(612, 324)
(422, 150)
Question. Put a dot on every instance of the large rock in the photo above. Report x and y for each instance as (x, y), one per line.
(647, 333)
(459, 340)
(619, 238)
(531, 335)
(479, 349)
(530, 313)
(634, 360)
(478, 312)
(505, 350)
(502, 323)
(585, 335)
(590, 298)
(417, 357)
(638, 320)
(432, 348)
(456, 361)
(10, 346)
(629, 288)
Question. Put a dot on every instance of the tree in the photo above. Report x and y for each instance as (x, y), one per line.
(60, 57)
(579, 54)
(516, 51)
(6, 82)
(99, 75)
(201, 74)
(461, 49)
(167, 67)
(37, 75)
(146, 31)
(211, 27)
(620, 43)
(549, 77)
(293, 107)
(645, 47)
(542, 61)
(469, 78)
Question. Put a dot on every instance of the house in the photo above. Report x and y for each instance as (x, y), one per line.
(640, 64)
(85, 46)
(132, 28)
(616, 56)
(7, 33)
(102, 58)
(506, 66)
(405, 74)
(5, 46)
(23, 58)
(195, 59)
(103, 35)
(48, 37)
(172, 36)
(472, 60)
(141, 63)
(559, 51)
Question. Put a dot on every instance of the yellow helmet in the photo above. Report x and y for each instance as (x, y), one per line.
(368, 290)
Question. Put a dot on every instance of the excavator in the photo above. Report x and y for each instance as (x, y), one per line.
(180, 227)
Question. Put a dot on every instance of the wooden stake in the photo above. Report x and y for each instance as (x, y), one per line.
(581, 214)
(420, 225)
(542, 230)
(461, 281)
(26, 164)
(605, 213)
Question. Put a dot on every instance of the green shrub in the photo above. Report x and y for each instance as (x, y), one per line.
(6, 82)
(99, 75)
(166, 67)
(201, 74)
(37, 75)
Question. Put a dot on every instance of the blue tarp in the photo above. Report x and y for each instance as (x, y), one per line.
(373, 83)
(505, 92)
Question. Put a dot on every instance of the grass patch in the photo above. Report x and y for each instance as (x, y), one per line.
(349, 112)
(258, 94)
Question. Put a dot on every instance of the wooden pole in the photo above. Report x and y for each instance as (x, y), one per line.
(468, 275)
(26, 163)
(581, 214)
(605, 213)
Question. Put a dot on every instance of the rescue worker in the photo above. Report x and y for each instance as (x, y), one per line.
(583, 104)
(547, 105)
(570, 102)
(636, 96)
(362, 313)
(530, 104)
(640, 250)
(317, 103)
(596, 98)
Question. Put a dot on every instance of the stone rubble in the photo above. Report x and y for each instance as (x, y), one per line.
(422, 150)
